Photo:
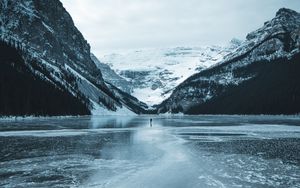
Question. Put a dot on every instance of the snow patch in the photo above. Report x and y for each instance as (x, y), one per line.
(28, 10)
(99, 110)
(48, 27)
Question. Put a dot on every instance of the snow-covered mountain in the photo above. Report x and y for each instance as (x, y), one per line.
(154, 73)
(111, 76)
(51, 51)
(262, 76)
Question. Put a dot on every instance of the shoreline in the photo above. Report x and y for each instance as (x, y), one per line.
(11, 118)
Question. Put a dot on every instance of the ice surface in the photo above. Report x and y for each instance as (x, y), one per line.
(124, 151)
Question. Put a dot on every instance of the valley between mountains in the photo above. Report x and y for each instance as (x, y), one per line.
(47, 69)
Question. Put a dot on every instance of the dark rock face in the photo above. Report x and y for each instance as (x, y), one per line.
(262, 72)
(45, 28)
(275, 89)
(22, 93)
(44, 32)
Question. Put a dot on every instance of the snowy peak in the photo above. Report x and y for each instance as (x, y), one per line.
(287, 13)
(285, 21)
(154, 73)
(277, 38)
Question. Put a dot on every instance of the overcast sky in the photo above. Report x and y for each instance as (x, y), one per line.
(111, 25)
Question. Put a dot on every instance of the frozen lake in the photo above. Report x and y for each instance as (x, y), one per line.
(176, 152)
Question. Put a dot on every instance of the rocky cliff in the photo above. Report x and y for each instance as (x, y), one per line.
(261, 77)
(43, 32)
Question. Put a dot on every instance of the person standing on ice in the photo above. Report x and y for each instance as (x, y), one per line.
(150, 122)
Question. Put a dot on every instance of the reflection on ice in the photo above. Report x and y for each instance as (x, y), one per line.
(110, 122)
(155, 153)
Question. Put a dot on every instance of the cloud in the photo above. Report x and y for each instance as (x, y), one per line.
(110, 25)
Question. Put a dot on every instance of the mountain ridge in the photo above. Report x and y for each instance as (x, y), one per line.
(44, 31)
(276, 41)
(152, 74)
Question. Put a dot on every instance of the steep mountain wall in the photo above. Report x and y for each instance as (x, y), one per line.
(43, 32)
(243, 82)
